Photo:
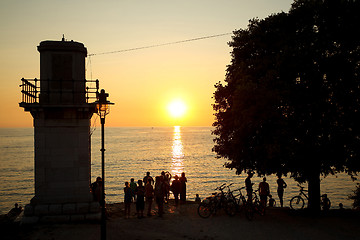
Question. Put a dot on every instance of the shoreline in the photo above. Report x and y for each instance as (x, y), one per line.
(183, 222)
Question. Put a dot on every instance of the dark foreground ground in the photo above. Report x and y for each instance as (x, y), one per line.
(183, 222)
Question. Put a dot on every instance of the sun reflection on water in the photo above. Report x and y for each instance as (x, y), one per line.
(177, 165)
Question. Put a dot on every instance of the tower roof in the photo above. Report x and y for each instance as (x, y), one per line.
(62, 46)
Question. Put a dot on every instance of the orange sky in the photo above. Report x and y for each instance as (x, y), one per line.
(140, 83)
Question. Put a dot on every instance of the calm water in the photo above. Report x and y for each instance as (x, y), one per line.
(131, 152)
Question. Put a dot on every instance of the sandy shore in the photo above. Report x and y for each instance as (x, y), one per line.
(183, 222)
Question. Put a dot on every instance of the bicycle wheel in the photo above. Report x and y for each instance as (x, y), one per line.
(230, 208)
(260, 209)
(297, 203)
(241, 204)
(205, 210)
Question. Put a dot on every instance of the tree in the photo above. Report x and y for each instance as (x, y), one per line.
(291, 99)
(356, 197)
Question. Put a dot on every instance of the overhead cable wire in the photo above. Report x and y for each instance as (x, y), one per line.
(160, 45)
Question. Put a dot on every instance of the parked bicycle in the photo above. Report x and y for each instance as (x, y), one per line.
(298, 202)
(217, 201)
(237, 197)
(254, 206)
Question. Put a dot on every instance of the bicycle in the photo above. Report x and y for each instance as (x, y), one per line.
(211, 204)
(254, 206)
(298, 203)
(238, 199)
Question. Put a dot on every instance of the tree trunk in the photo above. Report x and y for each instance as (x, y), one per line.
(314, 192)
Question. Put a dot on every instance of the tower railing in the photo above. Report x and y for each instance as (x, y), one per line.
(29, 90)
(33, 92)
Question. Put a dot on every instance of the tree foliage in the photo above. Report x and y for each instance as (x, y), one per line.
(291, 99)
(356, 197)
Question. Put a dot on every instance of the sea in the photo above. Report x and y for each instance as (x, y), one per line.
(133, 151)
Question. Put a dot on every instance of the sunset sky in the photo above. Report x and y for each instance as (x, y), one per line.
(141, 83)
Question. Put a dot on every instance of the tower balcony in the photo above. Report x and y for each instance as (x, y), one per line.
(62, 93)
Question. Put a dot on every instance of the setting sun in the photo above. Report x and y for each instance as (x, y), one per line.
(177, 108)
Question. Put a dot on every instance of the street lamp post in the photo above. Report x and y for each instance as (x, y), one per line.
(103, 109)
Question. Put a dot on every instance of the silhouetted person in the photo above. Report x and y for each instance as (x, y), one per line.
(341, 207)
(183, 181)
(127, 199)
(14, 212)
(140, 201)
(175, 188)
(160, 194)
(248, 186)
(96, 189)
(271, 201)
(145, 179)
(325, 202)
(166, 179)
(280, 190)
(149, 195)
(264, 192)
(16, 208)
(197, 199)
(133, 188)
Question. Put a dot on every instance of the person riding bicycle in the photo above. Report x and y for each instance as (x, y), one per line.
(249, 185)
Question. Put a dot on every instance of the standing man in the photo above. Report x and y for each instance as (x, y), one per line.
(149, 195)
(280, 190)
(183, 181)
(145, 180)
(248, 186)
(159, 194)
(133, 187)
(264, 192)
(96, 189)
(140, 199)
(175, 188)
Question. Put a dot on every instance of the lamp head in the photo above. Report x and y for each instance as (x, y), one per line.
(102, 104)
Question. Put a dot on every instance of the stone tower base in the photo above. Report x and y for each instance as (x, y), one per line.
(61, 213)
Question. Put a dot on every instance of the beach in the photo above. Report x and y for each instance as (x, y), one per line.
(183, 222)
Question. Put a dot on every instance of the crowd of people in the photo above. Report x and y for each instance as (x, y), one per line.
(148, 190)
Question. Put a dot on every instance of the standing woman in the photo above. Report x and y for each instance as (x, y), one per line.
(280, 190)
(183, 181)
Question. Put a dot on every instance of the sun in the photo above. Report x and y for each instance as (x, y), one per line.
(177, 108)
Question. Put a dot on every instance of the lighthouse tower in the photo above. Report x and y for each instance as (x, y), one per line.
(60, 103)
